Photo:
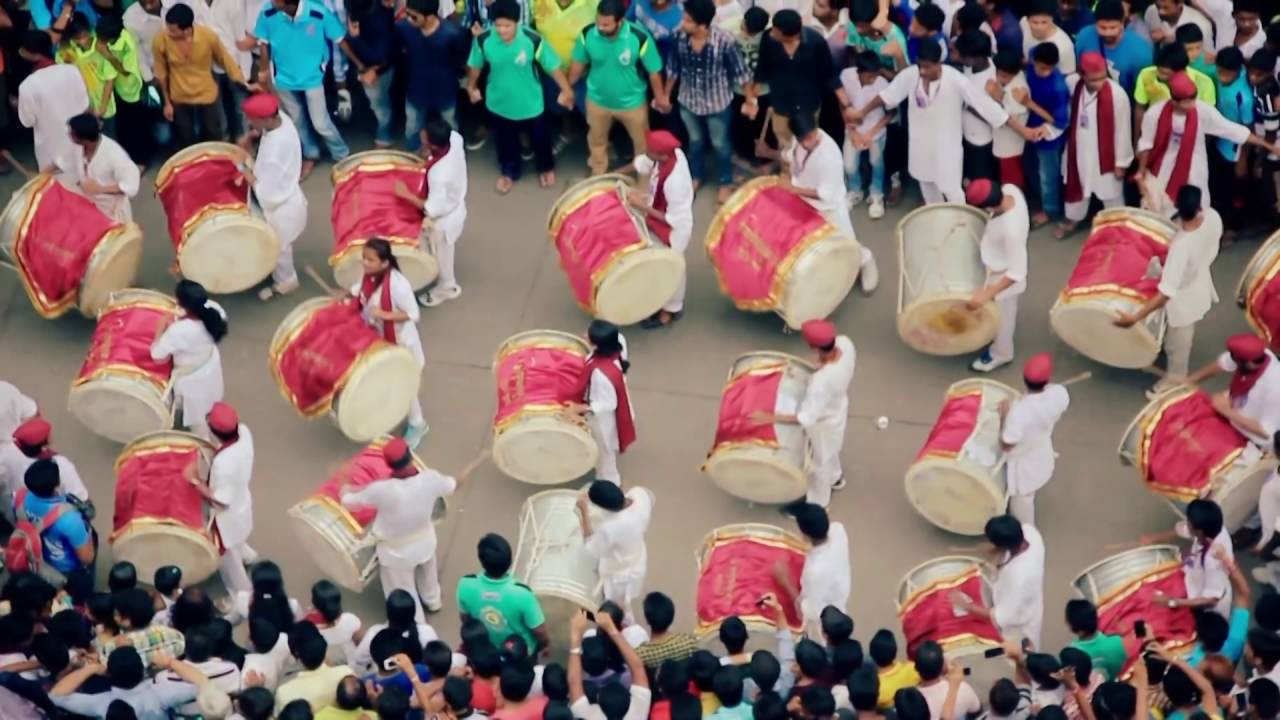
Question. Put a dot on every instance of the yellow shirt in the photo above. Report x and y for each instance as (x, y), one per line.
(561, 25)
(333, 713)
(185, 74)
(901, 674)
(96, 70)
(710, 703)
(1149, 90)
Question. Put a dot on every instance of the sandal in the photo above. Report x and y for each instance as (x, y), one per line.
(1064, 230)
(504, 184)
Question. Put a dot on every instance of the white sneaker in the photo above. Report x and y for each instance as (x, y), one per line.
(437, 296)
(839, 484)
(273, 291)
(876, 209)
(853, 199)
(869, 276)
(985, 364)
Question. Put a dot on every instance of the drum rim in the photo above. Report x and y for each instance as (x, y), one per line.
(984, 568)
(1160, 400)
(1143, 216)
(509, 344)
(116, 298)
(926, 209)
(567, 429)
(574, 189)
(297, 315)
(21, 195)
(402, 252)
(110, 248)
(774, 355)
(990, 312)
(1139, 331)
(1249, 269)
(954, 465)
(652, 255)
(717, 457)
(299, 521)
(163, 409)
(709, 539)
(187, 154)
(353, 160)
(1074, 586)
(379, 353)
(208, 548)
(205, 447)
(827, 245)
(730, 206)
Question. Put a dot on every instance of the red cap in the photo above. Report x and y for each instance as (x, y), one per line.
(1038, 369)
(395, 451)
(261, 105)
(661, 142)
(1181, 87)
(223, 419)
(982, 193)
(33, 433)
(819, 333)
(1246, 347)
(1093, 62)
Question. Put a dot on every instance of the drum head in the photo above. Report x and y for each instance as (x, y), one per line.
(545, 450)
(333, 560)
(379, 155)
(756, 475)
(639, 284)
(229, 252)
(377, 393)
(152, 546)
(113, 267)
(1259, 263)
(419, 267)
(820, 280)
(953, 495)
(119, 407)
(942, 325)
(1091, 332)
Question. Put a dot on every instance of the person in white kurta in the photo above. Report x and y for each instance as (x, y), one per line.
(1252, 402)
(667, 208)
(274, 179)
(602, 402)
(197, 364)
(1017, 596)
(227, 492)
(445, 208)
(1164, 27)
(27, 443)
(613, 525)
(145, 19)
(15, 409)
(49, 97)
(1026, 434)
(97, 167)
(1107, 186)
(826, 578)
(1004, 254)
(1204, 565)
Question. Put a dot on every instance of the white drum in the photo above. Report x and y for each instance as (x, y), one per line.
(936, 574)
(957, 481)
(940, 268)
(552, 560)
(760, 469)
(1101, 580)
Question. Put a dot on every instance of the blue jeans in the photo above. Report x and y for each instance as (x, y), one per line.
(315, 120)
(716, 128)
(1050, 161)
(415, 119)
(379, 94)
(853, 165)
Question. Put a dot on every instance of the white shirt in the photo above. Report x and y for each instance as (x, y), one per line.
(977, 131)
(47, 99)
(1205, 576)
(826, 398)
(860, 95)
(617, 540)
(1006, 142)
(1189, 16)
(1186, 278)
(1093, 179)
(967, 702)
(403, 300)
(144, 27)
(678, 191)
(277, 166)
(826, 577)
(110, 165)
(187, 342)
(1004, 244)
(229, 477)
(406, 535)
(341, 638)
(222, 674)
(15, 409)
(446, 203)
(821, 170)
(231, 20)
(1224, 23)
(1269, 508)
(1262, 402)
(1210, 122)
(1253, 44)
(1028, 428)
(271, 664)
(1059, 37)
(1018, 592)
(641, 700)
(13, 470)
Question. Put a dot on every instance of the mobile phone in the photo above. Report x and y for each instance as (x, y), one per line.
(390, 665)
(967, 671)
(993, 652)
(1140, 629)
(591, 616)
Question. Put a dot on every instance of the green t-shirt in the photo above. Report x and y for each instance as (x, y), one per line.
(95, 70)
(504, 606)
(514, 90)
(128, 85)
(861, 42)
(1106, 651)
(613, 81)
(1149, 90)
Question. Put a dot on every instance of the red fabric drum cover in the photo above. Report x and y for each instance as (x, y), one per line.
(365, 206)
(955, 424)
(1184, 445)
(1174, 628)
(1263, 310)
(546, 376)
(152, 486)
(737, 572)
(1114, 260)
(746, 394)
(928, 614)
(122, 344)
(589, 239)
(363, 469)
(316, 361)
(206, 184)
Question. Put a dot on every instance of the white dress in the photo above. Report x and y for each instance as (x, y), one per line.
(446, 203)
(197, 366)
(1186, 279)
(402, 299)
(230, 474)
(823, 413)
(276, 170)
(826, 577)
(1210, 122)
(1028, 428)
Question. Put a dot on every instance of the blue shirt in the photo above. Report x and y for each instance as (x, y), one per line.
(399, 680)
(661, 24)
(1235, 102)
(42, 16)
(299, 44)
(1051, 94)
(1237, 632)
(435, 63)
(1076, 24)
(377, 35)
(60, 540)
(1125, 60)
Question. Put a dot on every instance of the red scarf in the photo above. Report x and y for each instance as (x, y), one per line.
(1106, 138)
(426, 169)
(1164, 135)
(659, 227)
(609, 366)
(367, 285)
(42, 63)
(1242, 382)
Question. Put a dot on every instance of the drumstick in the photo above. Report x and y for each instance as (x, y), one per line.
(17, 165)
(1077, 378)
(320, 281)
(764, 131)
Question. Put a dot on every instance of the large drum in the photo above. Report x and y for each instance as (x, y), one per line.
(926, 612)
(365, 206)
(160, 519)
(617, 271)
(325, 359)
(735, 569)
(1258, 291)
(1122, 586)
(761, 462)
(940, 268)
(1115, 274)
(773, 252)
(957, 480)
(120, 392)
(337, 538)
(220, 241)
(66, 251)
(1183, 450)
(539, 373)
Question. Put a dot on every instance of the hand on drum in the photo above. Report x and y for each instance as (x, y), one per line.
(979, 298)
(1222, 402)
(769, 602)
(960, 601)
(1125, 320)
(573, 412)
(638, 200)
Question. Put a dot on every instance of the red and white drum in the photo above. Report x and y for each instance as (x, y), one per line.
(616, 269)
(761, 463)
(120, 392)
(773, 252)
(365, 206)
(1123, 586)
(159, 518)
(735, 569)
(940, 268)
(325, 359)
(539, 373)
(957, 480)
(1183, 450)
(221, 242)
(337, 538)
(1258, 291)
(926, 612)
(67, 252)
(1117, 273)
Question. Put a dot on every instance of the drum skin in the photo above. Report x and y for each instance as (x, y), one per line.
(1257, 291)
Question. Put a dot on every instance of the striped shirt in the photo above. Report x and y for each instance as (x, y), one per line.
(676, 646)
(707, 77)
(147, 641)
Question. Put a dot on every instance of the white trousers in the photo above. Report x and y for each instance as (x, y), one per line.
(934, 193)
(1023, 507)
(231, 568)
(422, 581)
(1077, 211)
(607, 464)
(1177, 351)
(284, 273)
(443, 249)
(824, 462)
(1002, 346)
(288, 220)
(622, 589)
(679, 243)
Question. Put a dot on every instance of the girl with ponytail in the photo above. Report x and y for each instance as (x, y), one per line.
(191, 341)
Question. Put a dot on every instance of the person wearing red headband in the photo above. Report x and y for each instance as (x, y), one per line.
(1099, 142)
(227, 493)
(15, 409)
(30, 442)
(1252, 402)
(667, 207)
(1026, 435)
(1004, 253)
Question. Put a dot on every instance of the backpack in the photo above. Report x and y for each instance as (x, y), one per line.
(25, 550)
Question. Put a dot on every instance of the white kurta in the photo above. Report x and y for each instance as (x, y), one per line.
(824, 414)
(15, 409)
(977, 131)
(13, 470)
(1204, 575)
(935, 154)
(197, 367)
(231, 20)
(617, 544)
(827, 575)
(1006, 142)
(1211, 122)
(402, 299)
(1262, 402)
(406, 536)
(109, 165)
(1189, 16)
(821, 170)
(1004, 244)
(47, 99)
(276, 170)
(602, 401)
(1028, 429)
(1084, 115)
(446, 204)
(678, 191)
(1018, 593)
(144, 27)
(1186, 279)
(1059, 37)
(229, 476)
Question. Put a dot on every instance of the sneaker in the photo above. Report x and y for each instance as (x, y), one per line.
(839, 484)
(413, 434)
(853, 199)
(273, 291)
(869, 276)
(876, 209)
(985, 364)
(436, 296)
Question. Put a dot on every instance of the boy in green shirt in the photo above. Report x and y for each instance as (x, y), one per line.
(1106, 651)
(81, 49)
(494, 597)
(119, 48)
(516, 56)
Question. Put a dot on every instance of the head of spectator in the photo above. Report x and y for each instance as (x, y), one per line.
(1109, 20)
(308, 646)
(698, 16)
(124, 668)
(733, 635)
(1262, 68)
(495, 556)
(42, 478)
(929, 59)
(269, 600)
(168, 581)
(515, 682)
(1204, 519)
(837, 626)
(787, 27)
(16, 632)
(1114, 701)
(609, 16)
(864, 689)
(298, 709)
(179, 22)
(930, 662)
(256, 703)
(37, 48)
(811, 661)
(659, 613)
(769, 706)
(614, 701)
(1264, 698)
(817, 703)
(883, 648)
(457, 696)
(727, 685)
(846, 657)
(754, 21)
(1044, 59)
(702, 670)
(123, 576)
(910, 704)
(973, 49)
(192, 608)
(1004, 698)
(1082, 618)
(764, 670)
(133, 609)
(926, 23)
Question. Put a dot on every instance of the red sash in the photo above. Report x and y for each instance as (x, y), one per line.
(426, 170)
(1242, 382)
(608, 366)
(367, 285)
(1164, 135)
(1106, 138)
(660, 228)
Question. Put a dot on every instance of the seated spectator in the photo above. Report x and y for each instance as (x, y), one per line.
(316, 683)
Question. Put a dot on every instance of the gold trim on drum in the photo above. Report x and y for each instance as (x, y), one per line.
(188, 227)
(121, 368)
(568, 343)
(1157, 572)
(769, 535)
(1147, 425)
(342, 174)
(180, 528)
(357, 245)
(945, 583)
(194, 154)
(325, 404)
(533, 410)
(560, 212)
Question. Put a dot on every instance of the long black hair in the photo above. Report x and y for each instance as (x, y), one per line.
(606, 341)
(382, 248)
(269, 600)
(193, 298)
(401, 618)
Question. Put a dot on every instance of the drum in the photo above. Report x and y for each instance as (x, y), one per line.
(325, 359)
(120, 392)
(66, 251)
(616, 269)
(957, 480)
(160, 519)
(925, 609)
(761, 463)
(539, 373)
(773, 252)
(220, 241)
(1117, 273)
(338, 538)
(365, 206)
(1183, 450)
(1122, 586)
(1258, 291)
(940, 268)
(735, 569)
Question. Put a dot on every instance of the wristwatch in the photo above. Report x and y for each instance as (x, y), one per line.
(575, 651)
